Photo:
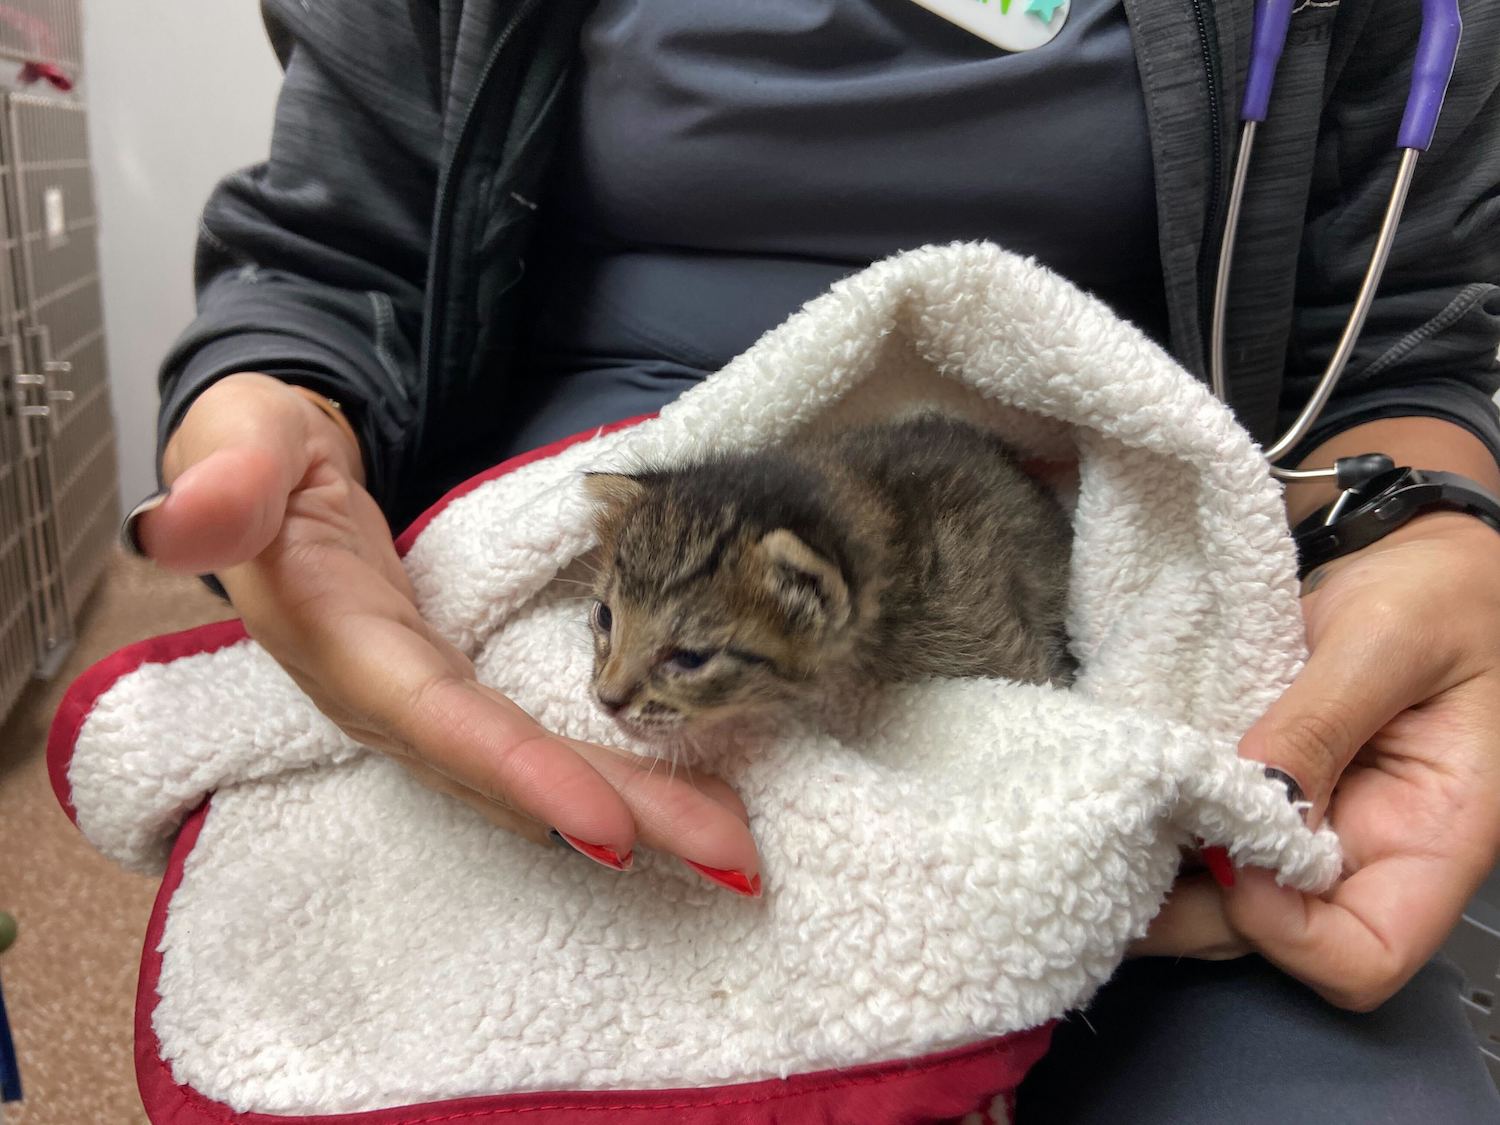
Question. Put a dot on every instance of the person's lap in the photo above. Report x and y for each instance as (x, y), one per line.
(1168, 1042)
(1191, 1042)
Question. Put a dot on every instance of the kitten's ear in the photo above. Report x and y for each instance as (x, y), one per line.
(809, 587)
(613, 491)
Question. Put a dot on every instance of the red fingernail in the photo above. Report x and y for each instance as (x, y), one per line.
(736, 881)
(598, 852)
(1216, 859)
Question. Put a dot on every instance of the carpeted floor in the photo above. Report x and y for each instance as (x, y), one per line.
(70, 978)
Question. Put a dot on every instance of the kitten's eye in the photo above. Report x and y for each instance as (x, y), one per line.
(687, 660)
(601, 618)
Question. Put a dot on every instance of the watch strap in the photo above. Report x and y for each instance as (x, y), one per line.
(1381, 505)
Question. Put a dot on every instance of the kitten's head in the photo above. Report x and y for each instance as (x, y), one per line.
(701, 613)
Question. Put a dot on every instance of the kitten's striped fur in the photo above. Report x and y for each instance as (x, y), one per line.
(891, 552)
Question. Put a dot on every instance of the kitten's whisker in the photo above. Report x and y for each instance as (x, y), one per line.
(588, 568)
(575, 582)
(696, 747)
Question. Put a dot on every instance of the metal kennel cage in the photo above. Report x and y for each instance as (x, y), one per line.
(59, 499)
(42, 31)
(62, 336)
(20, 604)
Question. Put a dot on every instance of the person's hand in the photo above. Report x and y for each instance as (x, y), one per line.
(1392, 731)
(266, 493)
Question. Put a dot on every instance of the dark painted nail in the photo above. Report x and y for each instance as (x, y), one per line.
(736, 881)
(599, 853)
(1294, 792)
(129, 537)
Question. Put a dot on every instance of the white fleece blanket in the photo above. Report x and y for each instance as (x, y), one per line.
(964, 860)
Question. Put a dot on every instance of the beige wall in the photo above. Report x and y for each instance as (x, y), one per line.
(179, 92)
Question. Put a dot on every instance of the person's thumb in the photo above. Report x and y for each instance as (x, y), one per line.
(1353, 685)
(237, 456)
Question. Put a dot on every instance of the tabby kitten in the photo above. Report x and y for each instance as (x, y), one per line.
(891, 552)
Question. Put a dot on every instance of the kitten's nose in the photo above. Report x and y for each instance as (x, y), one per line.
(613, 701)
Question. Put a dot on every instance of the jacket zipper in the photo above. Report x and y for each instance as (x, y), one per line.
(448, 191)
(1208, 43)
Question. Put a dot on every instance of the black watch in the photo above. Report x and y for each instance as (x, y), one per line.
(1381, 504)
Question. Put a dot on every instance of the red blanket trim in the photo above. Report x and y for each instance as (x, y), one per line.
(934, 1088)
(923, 1091)
(86, 690)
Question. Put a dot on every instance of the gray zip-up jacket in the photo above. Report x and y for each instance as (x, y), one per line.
(378, 255)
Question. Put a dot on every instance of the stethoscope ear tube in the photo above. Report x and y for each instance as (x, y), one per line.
(1432, 70)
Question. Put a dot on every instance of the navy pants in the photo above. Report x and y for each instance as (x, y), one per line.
(1237, 1043)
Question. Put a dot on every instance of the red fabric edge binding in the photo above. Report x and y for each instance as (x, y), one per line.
(936, 1087)
(86, 690)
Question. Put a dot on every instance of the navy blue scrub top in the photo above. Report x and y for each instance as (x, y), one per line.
(727, 161)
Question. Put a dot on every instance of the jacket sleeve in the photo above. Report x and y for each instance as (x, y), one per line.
(1430, 345)
(311, 266)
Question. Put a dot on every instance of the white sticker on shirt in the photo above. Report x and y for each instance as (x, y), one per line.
(1011, 25)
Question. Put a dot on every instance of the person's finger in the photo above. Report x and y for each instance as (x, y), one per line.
(378, 669)
(479, 738)
(222, 511)
(240, 451)
(700, 820)
(360, 649)
(1192, 924)
(498, 815)
(1360, 675)
(696, 818)
(382, 676)
(1358, 946)
(502, 758)
(723, 793)
(669, 818)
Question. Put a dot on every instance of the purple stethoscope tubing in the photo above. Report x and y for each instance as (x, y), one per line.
(1432, 69)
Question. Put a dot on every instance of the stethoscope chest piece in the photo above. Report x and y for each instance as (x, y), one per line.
(1011, 25)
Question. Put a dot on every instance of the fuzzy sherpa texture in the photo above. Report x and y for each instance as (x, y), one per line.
(943, 863)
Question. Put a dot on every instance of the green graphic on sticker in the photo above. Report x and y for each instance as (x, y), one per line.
(1020, 26)
(1042, 9)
